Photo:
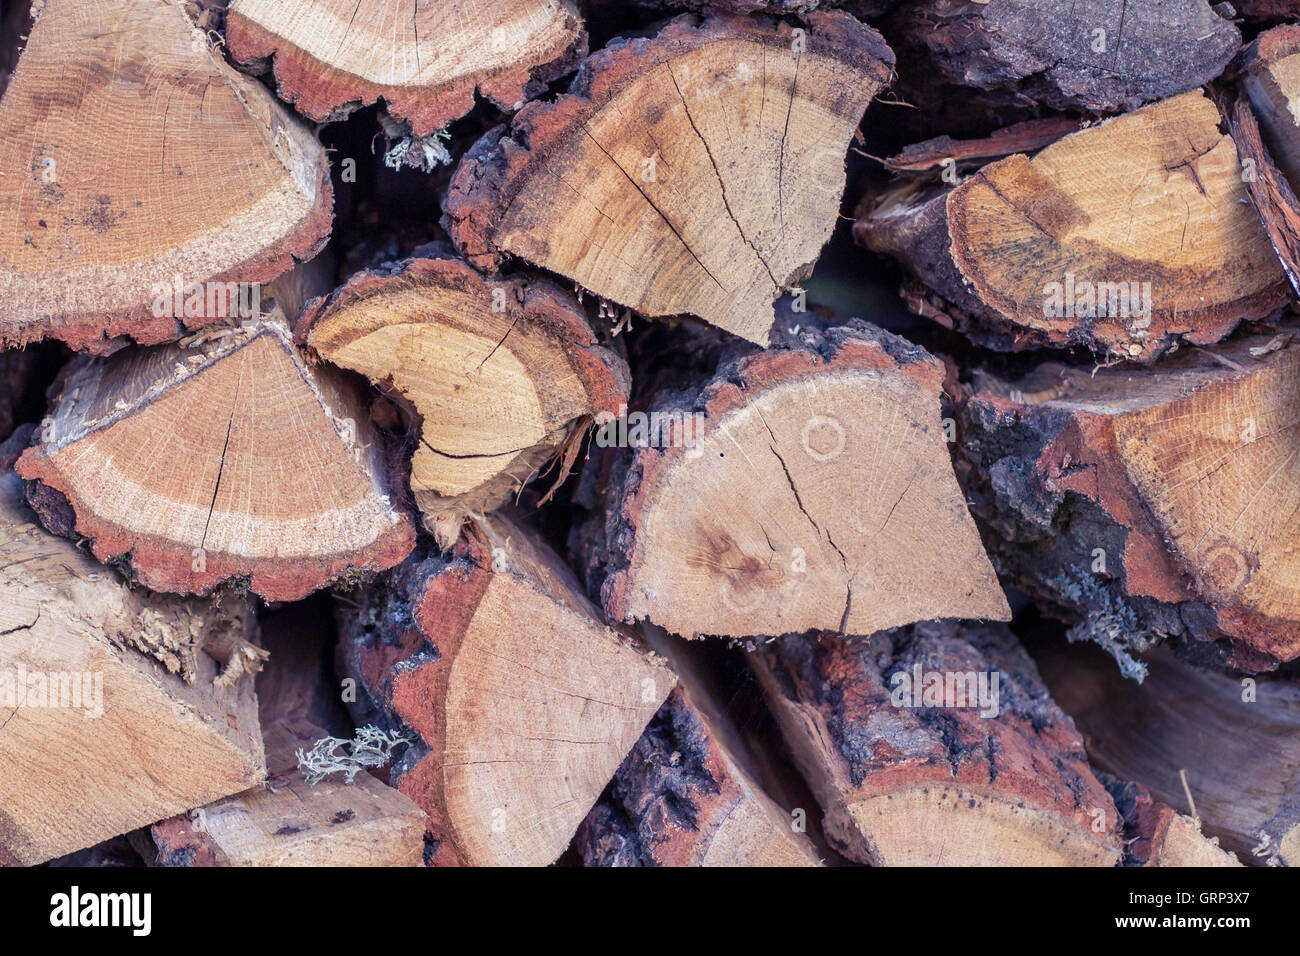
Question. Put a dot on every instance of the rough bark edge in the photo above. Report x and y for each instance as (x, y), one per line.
(953, 41)
(811, 673)
(1151, 596)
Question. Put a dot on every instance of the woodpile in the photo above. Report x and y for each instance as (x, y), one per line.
(664, 433)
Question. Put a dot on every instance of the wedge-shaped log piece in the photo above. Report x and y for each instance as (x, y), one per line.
(1097, 55)
(688, 793)
(1123, 237)
(524, 702)
(698, 171)
(1267, 134)
(289, 822)
(1236, 740)
(1271, 81)
(426, 62)
(226, 459)
(1151, 505)
(808, 487)
(134, 159)
(1157, 835)
(938, 745)
(500, 373)
(99, 738)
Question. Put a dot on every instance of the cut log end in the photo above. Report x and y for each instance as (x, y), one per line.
(1030, 253)
(426, 64)
(778, 513)
(524, 701)
(661, 153)
(108, 243)
(500, 374)
(227, 460)
(116, 711)
(938, 746)
(1184, 463)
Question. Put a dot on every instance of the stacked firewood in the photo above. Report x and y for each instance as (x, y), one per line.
(712, 432)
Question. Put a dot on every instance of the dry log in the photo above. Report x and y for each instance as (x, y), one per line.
(688, 794)
(115, 713)
(1236, 739)
(1279, 210)
(289, 822)
(938, 745)
(501, 374)
(766, 507)
(1100, 55)
(669, 179)
(523, 701)
(1153, 504)
(1270, 145)
(426, 64)
(1157, 835)
(1126, 237)
(219, 184)
(226, 458)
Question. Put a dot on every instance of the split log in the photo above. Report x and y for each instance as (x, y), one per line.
(1271, 81)
(523, 701)
(1149, 505)
(115, 713)
(1101, 56)
(426, 64)
(1125, 237)
(289, 822)
(938, 745)
(501, 375)
(1237, 739)
(220, 183)
(223, 459)
(688, 794)
(1156, 835)
(759, 505)
(1270, 145)
(699, 171)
